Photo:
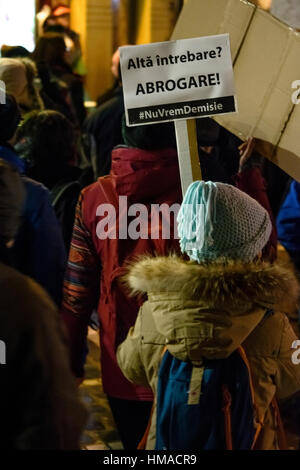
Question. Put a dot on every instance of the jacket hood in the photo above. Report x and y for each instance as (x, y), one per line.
(208, 310)
(146, 176)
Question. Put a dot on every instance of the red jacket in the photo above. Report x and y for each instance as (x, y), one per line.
(96, 265)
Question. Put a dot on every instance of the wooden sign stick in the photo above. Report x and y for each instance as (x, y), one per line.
(187, 149)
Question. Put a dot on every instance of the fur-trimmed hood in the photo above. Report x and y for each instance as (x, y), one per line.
(216, 304)
(229, 285)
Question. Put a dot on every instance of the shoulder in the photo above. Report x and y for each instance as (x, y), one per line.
(36, 192)
(35, 186)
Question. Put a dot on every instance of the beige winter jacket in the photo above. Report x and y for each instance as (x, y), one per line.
(207, 311)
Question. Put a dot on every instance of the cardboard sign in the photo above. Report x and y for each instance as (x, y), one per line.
(266, 68)
(174, 80)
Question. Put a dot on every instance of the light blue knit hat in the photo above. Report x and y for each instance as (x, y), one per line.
(218, 220)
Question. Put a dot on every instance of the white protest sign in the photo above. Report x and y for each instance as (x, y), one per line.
(172, 80)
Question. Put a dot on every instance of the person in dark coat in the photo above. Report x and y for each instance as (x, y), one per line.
(225, 159)
(50, 55)
(39, 406)
(103, 127)
(47, 142)
(288, 223)
(39, 250)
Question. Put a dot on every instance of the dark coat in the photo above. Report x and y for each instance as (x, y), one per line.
(39, 406)
(104, 126)
(39, 250)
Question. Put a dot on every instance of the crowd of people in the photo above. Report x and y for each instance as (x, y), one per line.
(162, 303)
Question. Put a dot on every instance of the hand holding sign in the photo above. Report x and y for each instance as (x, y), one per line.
(246, 149)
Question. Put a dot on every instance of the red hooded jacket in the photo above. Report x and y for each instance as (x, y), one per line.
(96, 265)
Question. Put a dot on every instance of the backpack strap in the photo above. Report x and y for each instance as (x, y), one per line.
(227, 416)
(143, 442)
(57, 193)
(260, 421)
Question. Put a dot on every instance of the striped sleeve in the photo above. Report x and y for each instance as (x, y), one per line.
(81, 289)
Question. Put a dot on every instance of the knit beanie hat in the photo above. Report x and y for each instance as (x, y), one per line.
(12, 197)
(9, 118)
(13, 74)
(149, 137)
(217, 220)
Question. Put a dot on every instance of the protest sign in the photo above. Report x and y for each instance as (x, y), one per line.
(175, 80)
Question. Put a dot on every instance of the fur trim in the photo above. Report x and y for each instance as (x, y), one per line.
(222, 284)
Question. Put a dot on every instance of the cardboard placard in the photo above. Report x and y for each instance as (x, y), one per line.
(176, 80)
(266, 61)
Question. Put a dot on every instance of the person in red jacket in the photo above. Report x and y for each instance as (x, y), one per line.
(143, 172)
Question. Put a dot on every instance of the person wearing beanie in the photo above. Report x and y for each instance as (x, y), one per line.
(39, 250)
(218, 296)
(39, 405)
(146, 172)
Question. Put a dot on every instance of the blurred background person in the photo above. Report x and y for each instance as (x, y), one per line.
(288, 223)
(39, 250)
(39, 405)
(51, 58)
(103, 127)
(46, 140)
